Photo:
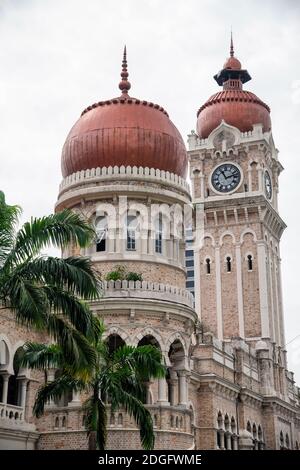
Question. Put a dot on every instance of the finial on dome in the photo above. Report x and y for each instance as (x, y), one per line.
(231, 45)
(124, 84)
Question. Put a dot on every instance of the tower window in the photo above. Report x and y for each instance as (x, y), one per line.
(101, 233)
(250, 262)
(228, 264)
(207, 192)
(207, 261)
(158, 234)
(131, 232)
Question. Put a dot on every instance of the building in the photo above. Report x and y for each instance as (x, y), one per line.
(208, 292)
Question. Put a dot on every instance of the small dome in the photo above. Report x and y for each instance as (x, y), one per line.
(232, 63)
(237, 107)
(124, 131)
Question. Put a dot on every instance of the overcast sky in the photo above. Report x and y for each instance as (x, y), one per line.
(59, 56)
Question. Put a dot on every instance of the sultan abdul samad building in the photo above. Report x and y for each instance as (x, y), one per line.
(209, 295)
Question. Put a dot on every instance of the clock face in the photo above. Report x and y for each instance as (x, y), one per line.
(268, 185)
(226, 177)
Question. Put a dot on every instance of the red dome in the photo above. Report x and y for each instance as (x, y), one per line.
(124, 131)
(238, 108)
(232, 63)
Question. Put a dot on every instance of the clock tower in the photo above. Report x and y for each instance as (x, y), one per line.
(234, 170)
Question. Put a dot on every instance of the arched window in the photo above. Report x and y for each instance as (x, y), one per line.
(101, 233)
(120, 419)
(226, 423)
(228, 264)
(281, 440)
(14, 389)
(208, 270)
(66, 396)
(1, 389)
(233, 426)
(131, 232)
(4, 355)
(114, 342)
(296, 445)
(249, 429)
(287, 441)
(112, 419)
(250, 262)
(158, 233)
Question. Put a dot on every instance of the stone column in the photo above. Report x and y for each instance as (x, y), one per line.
(235, 445)
(144, 241)
(173, 382)
(162, 391)
(75, 399)
(110, 240)
(51, 378)
(222, 439)
(182, 387)
(23, 385)
(228, 440)
(5, 378)
(148, 392)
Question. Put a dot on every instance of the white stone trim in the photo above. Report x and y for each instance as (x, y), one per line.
(147, 290)
(263, 290)
(239, 281)
(219, 293)
(135, 173)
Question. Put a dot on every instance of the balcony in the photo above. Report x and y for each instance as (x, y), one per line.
(147, 290)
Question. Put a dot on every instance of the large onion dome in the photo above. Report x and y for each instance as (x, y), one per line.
(124, 131)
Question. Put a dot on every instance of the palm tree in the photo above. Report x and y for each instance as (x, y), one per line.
(118, 377)
(47, 292)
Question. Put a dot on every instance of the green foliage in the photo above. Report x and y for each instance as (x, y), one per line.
(119, 274)
(119, 375)
(47, 293)
(131, 276)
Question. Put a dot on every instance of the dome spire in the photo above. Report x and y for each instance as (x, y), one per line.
(124, 84)
(231, 45)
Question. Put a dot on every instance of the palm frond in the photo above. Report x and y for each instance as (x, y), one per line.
(58, 230)
(41, 356)
(145, 361)
(54, 390)
(75, 274)
(77, 349)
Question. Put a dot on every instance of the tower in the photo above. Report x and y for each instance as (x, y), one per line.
(124, 165)
(234, 169)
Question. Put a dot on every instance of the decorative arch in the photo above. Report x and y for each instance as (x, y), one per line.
(5, 352)
(24, 371)
(173, 338)
(116, 330)
(149, 332)
(246, 232)
(225, 234)
(210, 237)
